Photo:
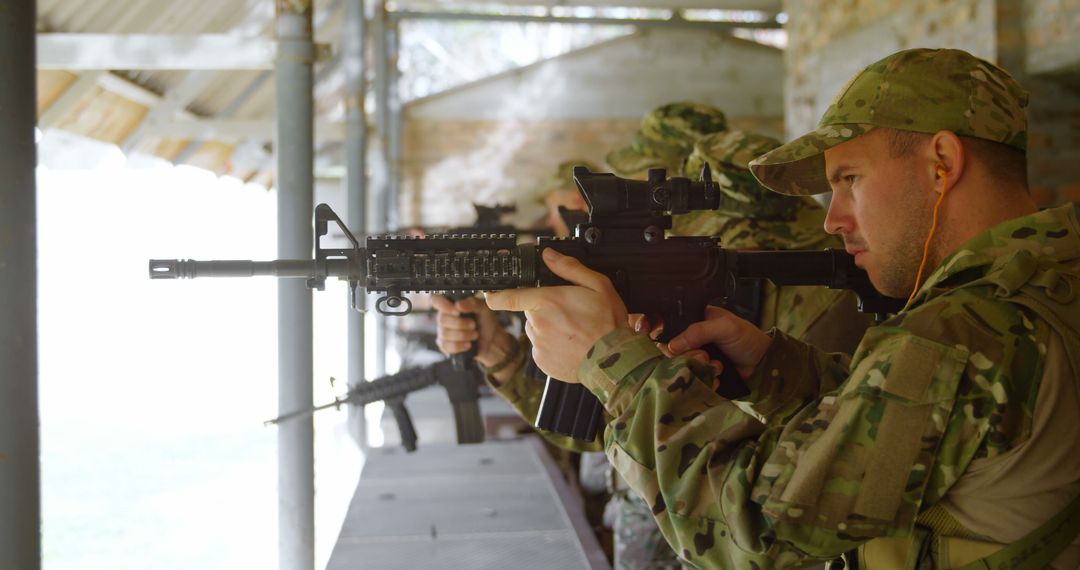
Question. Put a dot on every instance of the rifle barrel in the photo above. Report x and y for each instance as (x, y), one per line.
(388, 387)
(190, 268)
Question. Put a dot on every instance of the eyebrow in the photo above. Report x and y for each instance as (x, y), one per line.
(838, 173)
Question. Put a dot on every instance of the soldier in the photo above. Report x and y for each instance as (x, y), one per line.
(667, 135)
(940, 442)
(749, 218)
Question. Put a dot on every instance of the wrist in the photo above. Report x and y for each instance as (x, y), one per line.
(500, 347)
(505, 364)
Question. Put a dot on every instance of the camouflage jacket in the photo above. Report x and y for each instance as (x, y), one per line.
(826, 453)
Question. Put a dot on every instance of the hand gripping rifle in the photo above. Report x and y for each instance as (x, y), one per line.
(669, 278)
(393, 388)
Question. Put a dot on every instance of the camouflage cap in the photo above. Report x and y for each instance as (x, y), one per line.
(563, 177)
(682, 124)
(921, 90)
(749, 216)
(728, 154)
(667, 135)
(805, 231)
(643, 154)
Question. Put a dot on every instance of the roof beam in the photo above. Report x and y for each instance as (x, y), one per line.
(75, 52)
(173, 102)
(128, 89)
(234, 129)
(761, 5)
(78, 89)
(674, 22)
(322, 17)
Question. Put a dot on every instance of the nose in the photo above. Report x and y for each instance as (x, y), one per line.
(838, 219)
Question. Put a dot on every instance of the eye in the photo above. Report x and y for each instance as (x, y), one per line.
(850, 179)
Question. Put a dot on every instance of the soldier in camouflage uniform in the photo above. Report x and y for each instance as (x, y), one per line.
(749, 218)
(668, 134)
(940, 442)
(666, 137)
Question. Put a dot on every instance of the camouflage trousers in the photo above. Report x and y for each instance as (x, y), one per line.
(638, 542)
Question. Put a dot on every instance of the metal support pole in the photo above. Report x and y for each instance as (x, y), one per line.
(672, 23)
(380, 200)
(397, 123)
(294, 146)
(20, 479)
(354, 36)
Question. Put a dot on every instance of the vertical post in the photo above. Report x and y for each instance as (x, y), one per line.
(353, 41)
(20, 479)
(397, 122)
(294, 146)
(382, 126)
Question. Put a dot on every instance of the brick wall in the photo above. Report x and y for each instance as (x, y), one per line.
(1035, 40)
(1051, 34)
(1039, 42)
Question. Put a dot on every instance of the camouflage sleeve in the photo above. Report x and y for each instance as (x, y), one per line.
(777, 391)
(786, 476)
(524, 392)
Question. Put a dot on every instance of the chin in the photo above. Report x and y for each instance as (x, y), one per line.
(888, 287)
(879, 282)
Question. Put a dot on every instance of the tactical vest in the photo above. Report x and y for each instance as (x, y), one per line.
(938, 541)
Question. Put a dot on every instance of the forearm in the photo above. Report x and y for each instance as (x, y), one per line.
(692, 455)
(791, 375)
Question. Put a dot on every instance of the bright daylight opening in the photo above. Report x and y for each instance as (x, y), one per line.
(154, 393)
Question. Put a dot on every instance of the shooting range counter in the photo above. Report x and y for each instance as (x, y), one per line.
(495, 505)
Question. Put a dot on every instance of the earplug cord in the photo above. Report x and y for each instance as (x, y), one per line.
(933, 227)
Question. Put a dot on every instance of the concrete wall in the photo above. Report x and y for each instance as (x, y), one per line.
(1036, 40)
(501, 137)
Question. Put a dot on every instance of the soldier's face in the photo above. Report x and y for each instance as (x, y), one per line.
(881, 209)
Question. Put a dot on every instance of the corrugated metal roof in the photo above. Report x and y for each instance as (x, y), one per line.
(113, 106)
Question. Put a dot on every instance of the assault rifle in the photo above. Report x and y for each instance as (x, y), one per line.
(489, 220)
(670, 278)
(393, 388)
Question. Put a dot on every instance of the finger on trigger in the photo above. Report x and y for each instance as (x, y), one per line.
(443, 305)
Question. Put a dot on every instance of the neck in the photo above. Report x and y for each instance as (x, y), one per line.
(972, 208)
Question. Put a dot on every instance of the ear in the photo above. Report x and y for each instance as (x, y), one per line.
(948, 160)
